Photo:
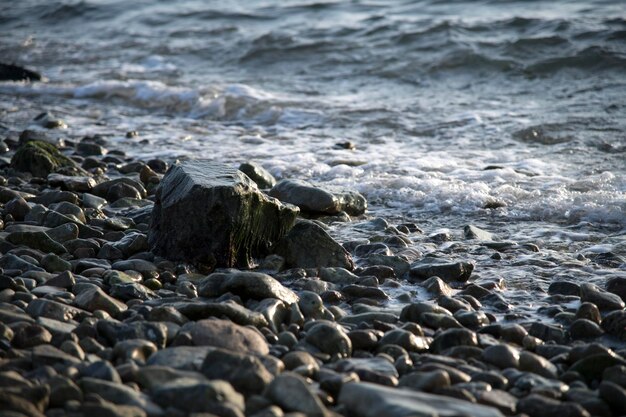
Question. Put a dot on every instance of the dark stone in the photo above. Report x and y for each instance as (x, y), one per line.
(245, 284)
(10, 72)
(209, 213)
(307, 245)
(258, 174)
(458, 271)
(306, 196)
(617, 285)
(40, 159)
(246, 373)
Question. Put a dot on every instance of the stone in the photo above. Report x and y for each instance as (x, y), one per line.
(603, 299)
(329, 338)
(20, 407)
(377, 369)
(115, 331)
(71, 183)
(226, 335)
(448, 272)
(453, 337)
(564, 288)
(428, 381)
(192, 396)
(245, 372)
(40, 159)
(101, 370)
(614, 324)
(130, 291)
(36, 240)
(119, 394)
(473, 232)
(11, 72)
(62, 390)
(437, 286)
(371, 400)
(229, 309)
(209, 213)
(404, 339)
(502, 356)
(306, 196)
(246, 284)
(54, 263)
(617, 286)
(531, 362)
(18, 208)
(539, 406)
(291, 393)
(54, 310)
(138, 350)
(592, 366)
(153, 376)
(31, 335)
(94, 298)
(118, 188)
(311, 304)
(614, 395)
(188, 358)
(258, 174)
(352, 202)
(584, 329)
(308, 245)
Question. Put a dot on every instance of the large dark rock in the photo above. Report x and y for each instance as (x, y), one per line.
(308, 245)
(40, 159)
(10, 72)
(209, 213)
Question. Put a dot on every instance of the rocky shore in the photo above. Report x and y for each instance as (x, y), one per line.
(119, 297)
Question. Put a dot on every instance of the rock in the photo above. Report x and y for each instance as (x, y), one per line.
(115, 331)
(40, 159)
(329, 338)
(209, 213)
(615, 374)
(54, 310)
(473, 232)
(138, 350)
(603, 299)
(592, 366)
(530, 362)
(246, 284)
(31, 335)
(118, 188)
(404, 339)
(180, 357)
(92, 299)
(584, 329)
(10, 72)
(71, 183)
(307, 245)
(614, 395)
(36, 240)
(377, 369)
(107, 409)
(564, 288)
(102, 370)
(617, 286)
(428, 381)
(245, 372)
(62, 390)
(18, 208)
(539, 406)
(306, 196)
(502, 356)
(614, 324)
(229, 309)
(291, 393)
(20, 407)
(311, 304)
(453, 337)
(352, 202)
(193, 396)
(54, 263)
(458, 271)
(131, 290)
(547, 332)
(258, 174)
(226, 335)
(119, 394)
(589, 311)
(370, 400)
(436, 286)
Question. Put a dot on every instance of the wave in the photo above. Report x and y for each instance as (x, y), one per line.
(236, 102)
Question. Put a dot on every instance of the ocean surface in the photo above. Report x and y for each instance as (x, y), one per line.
(509, 115)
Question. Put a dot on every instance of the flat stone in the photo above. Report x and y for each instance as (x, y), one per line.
(119, 394)
(213, 214)
(254, 285)
(94, 298)
(180, 357)
(370, 400)
(306, 196)
(448, 272)
(54, 310)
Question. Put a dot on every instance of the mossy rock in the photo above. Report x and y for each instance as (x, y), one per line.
(40, 159)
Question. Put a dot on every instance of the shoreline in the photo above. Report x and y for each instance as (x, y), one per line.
(127, 333)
